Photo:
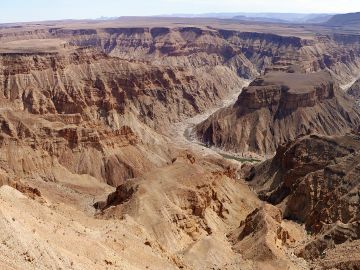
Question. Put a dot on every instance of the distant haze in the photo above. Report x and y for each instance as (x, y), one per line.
(36, 10)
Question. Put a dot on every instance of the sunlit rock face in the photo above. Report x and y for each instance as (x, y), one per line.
(280, 107)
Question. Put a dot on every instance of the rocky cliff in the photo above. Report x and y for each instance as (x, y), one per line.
(315, 180)
(93, 84)
(354, 90)
(188, 215)
(78, 102)
(85, 155)
(277, 108)
(246, 53)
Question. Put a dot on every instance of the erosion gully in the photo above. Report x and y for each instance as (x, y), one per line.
(183, 136)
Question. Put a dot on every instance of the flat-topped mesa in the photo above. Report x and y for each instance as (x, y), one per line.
(286, 92)
(26, 62)
(279, 107)
(89, 82)
(247, 52)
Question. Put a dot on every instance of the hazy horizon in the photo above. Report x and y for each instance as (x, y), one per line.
(40, 10)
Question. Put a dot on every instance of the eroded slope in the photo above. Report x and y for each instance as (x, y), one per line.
(315, 180)
(277, 108)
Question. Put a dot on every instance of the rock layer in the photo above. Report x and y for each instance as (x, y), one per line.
(188, 214)
(85, 108)
(354, 90)
(95, 114)
(277, 108)
(315, 179)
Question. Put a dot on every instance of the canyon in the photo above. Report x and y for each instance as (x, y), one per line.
(179, 143)
(354, 90)
(280, 107)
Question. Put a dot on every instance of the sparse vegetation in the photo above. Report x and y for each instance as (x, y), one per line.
(240, 159)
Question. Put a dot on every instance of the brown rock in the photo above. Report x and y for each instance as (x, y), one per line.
(315, 179)
(278, 108)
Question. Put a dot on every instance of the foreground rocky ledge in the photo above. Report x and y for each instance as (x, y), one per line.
(315, 180)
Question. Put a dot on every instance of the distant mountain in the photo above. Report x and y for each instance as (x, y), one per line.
(317, 18)
(104, 18)
(263, 17)
(259, 19)
(349, 19)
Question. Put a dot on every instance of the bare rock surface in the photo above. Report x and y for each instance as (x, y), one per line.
(315, 180)
(280, 107)
(192, 215)
(95, 175)
(354, 90)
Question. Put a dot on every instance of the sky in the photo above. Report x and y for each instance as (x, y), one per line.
(37, 10)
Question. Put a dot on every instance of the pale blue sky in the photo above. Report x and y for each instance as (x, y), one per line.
(32, 10)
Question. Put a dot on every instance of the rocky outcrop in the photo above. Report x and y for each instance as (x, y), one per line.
(247, 53)
(30, 192)
(244, 52)
(354, 90)
(277, 108)
(183, 212)
(316, 181)
(257, 221)
(35, 147)
(264, 238)
(99, 115)
(85, 108)
(95, 85)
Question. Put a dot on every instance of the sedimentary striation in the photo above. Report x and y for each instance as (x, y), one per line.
(315, 181)
(87, 153)
(280, 107)
(354, 90)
